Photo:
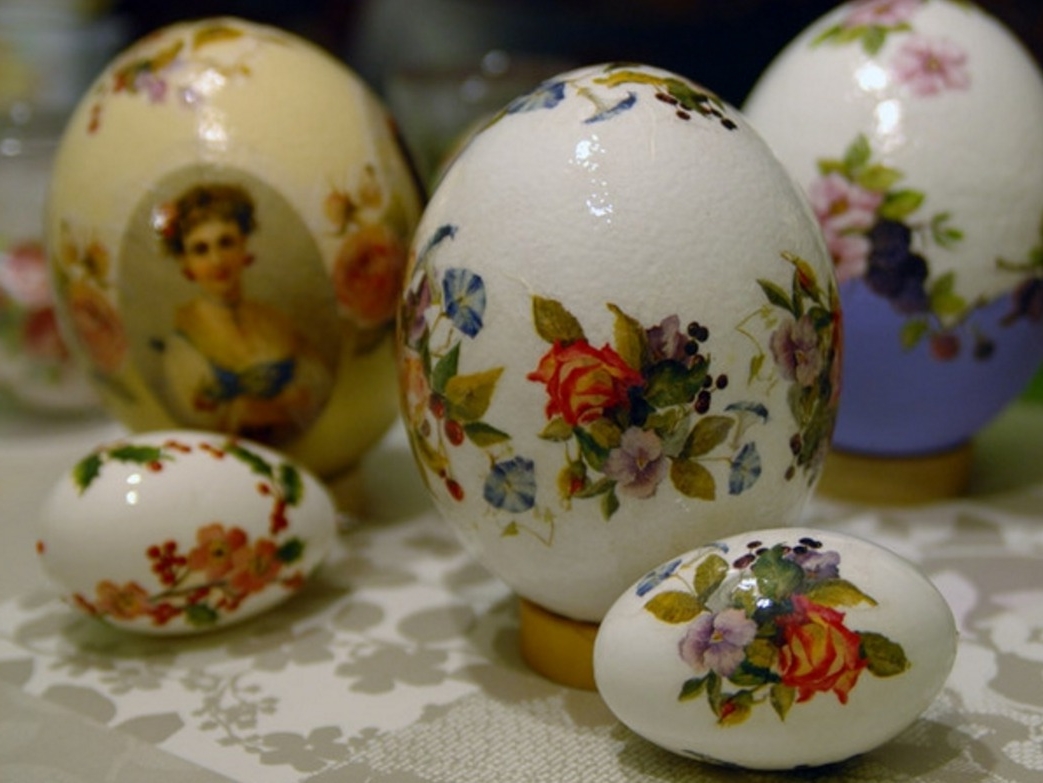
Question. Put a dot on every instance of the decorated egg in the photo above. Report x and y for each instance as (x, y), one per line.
(913, 126)
(228, 225)
(776, 649)
(36, 366)
(181, 531)
(618, 336)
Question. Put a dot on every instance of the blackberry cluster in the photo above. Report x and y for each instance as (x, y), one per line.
(698, 333)
(894, 271)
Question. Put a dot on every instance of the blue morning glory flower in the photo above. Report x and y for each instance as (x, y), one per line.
(653, 579)
(511, 485)
(746, 469)
(546, 96)
(623, 105)
(464, 299)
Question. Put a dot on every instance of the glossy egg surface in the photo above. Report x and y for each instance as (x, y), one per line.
(776, 649)
(913, 125)
(228, 224)
(619, 335)
(181, 532)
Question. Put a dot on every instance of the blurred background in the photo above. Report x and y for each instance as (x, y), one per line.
(51, 49)
(440, 65)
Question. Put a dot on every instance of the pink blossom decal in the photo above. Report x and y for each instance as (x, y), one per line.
(931, 66)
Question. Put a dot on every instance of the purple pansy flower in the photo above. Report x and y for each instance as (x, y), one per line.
(797, 351)
(717, 642)
(638, 463)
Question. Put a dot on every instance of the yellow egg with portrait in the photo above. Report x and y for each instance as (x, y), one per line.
(228, 225)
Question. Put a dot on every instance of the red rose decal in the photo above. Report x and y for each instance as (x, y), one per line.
(820, 653)
(583, 382)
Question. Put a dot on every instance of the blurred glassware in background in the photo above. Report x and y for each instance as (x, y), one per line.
(438, 107)
(35, 364)
(50, 51)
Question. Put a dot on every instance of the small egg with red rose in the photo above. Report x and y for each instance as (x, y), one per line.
(776, 649)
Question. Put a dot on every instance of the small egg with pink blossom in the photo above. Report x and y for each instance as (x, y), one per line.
(181, 532)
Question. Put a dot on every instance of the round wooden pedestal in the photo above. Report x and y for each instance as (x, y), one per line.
(896, 480)
(560, 649)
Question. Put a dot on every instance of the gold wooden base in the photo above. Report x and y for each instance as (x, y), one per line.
(896, 481)
(560, 649)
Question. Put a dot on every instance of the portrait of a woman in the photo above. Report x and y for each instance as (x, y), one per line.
(232, 364)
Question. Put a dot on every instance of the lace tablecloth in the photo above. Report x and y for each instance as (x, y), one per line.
(400, 662)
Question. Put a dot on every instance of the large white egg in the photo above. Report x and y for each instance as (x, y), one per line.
(914, 126)
(181, 532)
(619, 335)
(776, 649)
(228, 226)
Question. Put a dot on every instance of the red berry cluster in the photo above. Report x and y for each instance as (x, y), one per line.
(166, 561)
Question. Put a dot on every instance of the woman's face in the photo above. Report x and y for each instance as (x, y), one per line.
(215, 254)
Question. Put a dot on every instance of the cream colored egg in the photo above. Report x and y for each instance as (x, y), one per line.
(182, 532)
(776, 649)
(618, 336)
(228, 224)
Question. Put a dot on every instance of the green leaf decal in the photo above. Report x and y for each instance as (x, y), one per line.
(707, 434)
(484, 435)
(557, 429)
(630, 337)
(445, 368)
(838, 592)
(86, 470)
(469, 396)
(290, 481)
(692, 688)
(200, 615)
(290, 551)
(255, 461)
(776, 295)
(878, 178)
(777, 577)
(782, 698)
(709, 574)
(137, 454)
(885, 658)
(553, 322)
(913, 331)
(674, 606)
(671, 383)
(609, 503)
(899, 204)
(692, 479)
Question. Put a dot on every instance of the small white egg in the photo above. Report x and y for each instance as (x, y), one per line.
(180, 531)
(776, 649)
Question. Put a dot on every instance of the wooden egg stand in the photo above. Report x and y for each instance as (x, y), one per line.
(896, 481)
(557, 647)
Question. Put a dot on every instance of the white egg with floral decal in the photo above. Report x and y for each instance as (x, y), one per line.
(914, 125)
(180, 531)
(228, 226)
(776, 649)
(619, 335)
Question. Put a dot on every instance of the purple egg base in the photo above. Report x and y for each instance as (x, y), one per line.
(905, 402)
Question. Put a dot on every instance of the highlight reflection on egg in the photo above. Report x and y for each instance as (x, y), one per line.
(619, 335)
(229, 220)
(914, 127)
(176, 532)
